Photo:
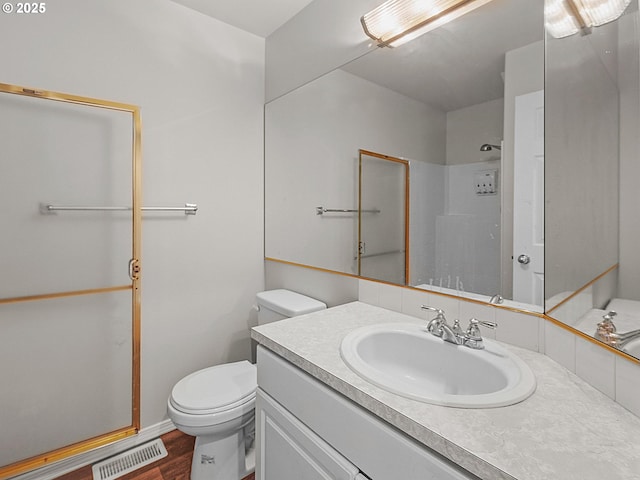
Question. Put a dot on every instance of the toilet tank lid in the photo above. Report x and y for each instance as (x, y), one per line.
(289, 303)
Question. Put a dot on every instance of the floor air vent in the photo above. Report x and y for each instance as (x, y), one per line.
(129, 461)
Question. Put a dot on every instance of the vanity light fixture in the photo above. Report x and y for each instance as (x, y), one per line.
(397, 21)
(568, 17)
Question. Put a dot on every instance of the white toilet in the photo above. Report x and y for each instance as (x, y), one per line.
(216, 404)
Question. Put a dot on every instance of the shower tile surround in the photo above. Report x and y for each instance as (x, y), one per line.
(546, 436)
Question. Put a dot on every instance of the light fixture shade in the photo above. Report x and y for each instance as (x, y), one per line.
(402, 19)
(599, 12)
(567, 17)
(559, 20)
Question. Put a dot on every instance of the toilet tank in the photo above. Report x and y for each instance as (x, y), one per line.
(278, 304)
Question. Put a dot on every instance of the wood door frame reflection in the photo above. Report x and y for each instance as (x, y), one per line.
(389, 158)
(47, 458)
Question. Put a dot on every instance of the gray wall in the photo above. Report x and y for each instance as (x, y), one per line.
(581, 165)
(629, 86)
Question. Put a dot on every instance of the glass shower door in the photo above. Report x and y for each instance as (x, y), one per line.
(383, 210)
(69, 301)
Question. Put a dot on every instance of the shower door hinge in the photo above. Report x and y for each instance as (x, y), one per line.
(134, 269)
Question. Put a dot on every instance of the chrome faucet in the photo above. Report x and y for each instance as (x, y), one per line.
(471, 338)
(606, 332)
(439, 327)
(496, 299)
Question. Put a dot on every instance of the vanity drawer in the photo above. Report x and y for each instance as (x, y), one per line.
(288, 450)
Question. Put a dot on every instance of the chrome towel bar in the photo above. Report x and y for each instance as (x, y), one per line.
(188, 209)
(322, 210)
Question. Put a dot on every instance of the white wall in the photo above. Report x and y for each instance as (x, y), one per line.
(200, 84)
(581, 165)
(471, 127)
(311, 160)
(323, 36)
(629, 87)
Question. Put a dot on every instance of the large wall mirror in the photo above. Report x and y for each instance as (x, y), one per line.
(592, 169)
(463, 105)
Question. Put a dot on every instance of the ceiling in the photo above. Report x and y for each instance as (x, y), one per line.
(460, 63)
(260, 17)
(456, 65)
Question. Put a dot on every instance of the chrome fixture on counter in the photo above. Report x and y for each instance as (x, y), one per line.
(606, 332)
(496, 299)
(471, 338)
(487, 147)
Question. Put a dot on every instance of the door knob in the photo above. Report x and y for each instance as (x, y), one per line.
(524, 259)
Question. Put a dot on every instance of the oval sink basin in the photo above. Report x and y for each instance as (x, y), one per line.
(405, 359)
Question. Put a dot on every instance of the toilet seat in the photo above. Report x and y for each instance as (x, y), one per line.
(216, 390)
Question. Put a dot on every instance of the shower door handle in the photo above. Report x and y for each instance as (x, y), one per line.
(134, 269)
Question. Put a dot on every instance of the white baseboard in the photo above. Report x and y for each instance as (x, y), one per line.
(77, 461)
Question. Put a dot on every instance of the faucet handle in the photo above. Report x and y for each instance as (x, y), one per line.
(474, 322)
(439, 311)
(496, 299)
(606, 327)
(473, 337)
(435, 324)
(457, 330)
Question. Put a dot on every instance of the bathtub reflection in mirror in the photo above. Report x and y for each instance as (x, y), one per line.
(592, 86)
(436, 102)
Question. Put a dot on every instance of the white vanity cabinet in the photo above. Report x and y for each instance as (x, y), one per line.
(307, 431)
(288, 450)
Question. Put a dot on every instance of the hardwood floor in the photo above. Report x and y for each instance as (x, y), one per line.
(176, 466)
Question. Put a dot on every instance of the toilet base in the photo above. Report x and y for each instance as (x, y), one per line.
(227, 458)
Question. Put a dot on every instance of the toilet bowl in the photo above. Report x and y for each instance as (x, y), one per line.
(217, 404)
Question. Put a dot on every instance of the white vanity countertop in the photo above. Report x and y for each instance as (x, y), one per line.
(566, 430)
